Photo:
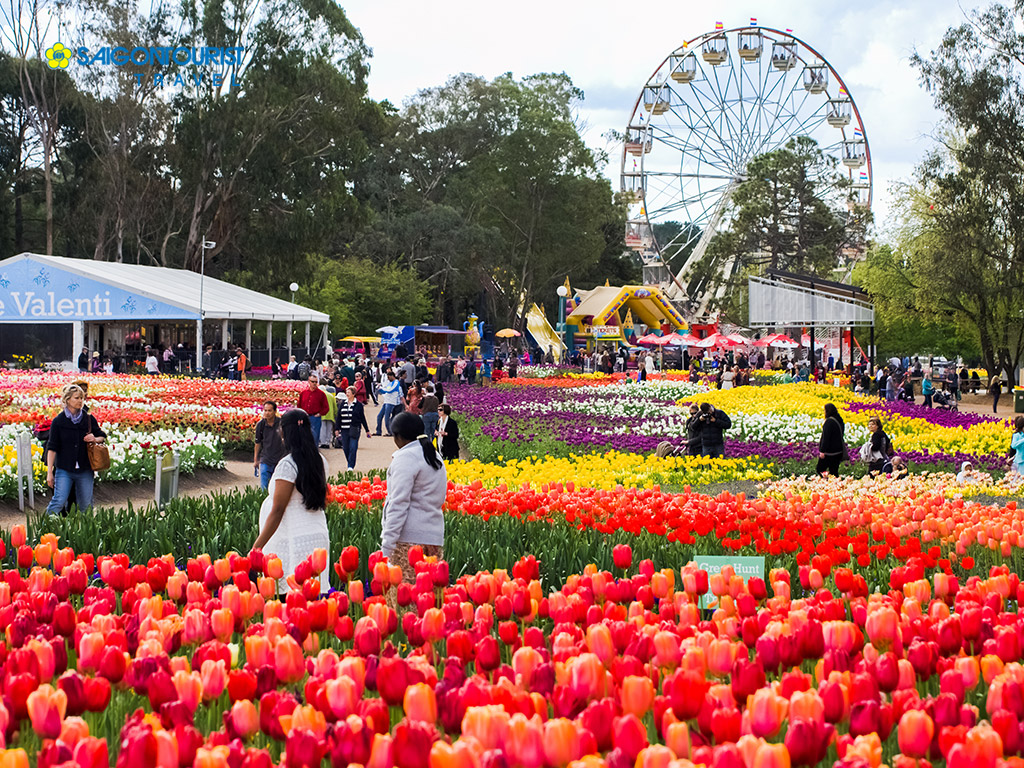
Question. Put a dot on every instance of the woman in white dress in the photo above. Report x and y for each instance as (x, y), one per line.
(292, 518)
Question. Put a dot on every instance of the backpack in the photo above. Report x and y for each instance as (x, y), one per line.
(887, 448)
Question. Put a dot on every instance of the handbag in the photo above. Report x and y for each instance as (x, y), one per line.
(99, 456)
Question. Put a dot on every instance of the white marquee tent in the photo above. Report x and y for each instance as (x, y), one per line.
(51, 289)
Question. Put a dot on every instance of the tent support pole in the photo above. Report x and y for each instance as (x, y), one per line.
(270, 341)
(248, 336)
(224, 333)
(288, 338)
(77, 338)
(199, 343)
(307, 337)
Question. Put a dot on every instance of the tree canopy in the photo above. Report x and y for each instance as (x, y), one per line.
(958, 256)
(482, 192)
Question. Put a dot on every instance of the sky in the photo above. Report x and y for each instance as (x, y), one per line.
(610, 49)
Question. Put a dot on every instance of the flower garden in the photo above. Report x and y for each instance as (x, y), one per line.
(568, 624)
(141, 415)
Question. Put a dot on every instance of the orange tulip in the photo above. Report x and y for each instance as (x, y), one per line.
(257, 650)
(274, 568)
(654, 756)
(915, 733)
(13, 758)
(637, 695)
(561, 742)
(457, 755)
(420, 704)
(355, 591)
(524, 661)
(319, 560)
(305, 718)
(599, 642)
(488, 724)
(771, 756)
(212, 757)
(245, 718)
(720, 656)
(667, 652)
(289, 663)
(433, 625)
(677, 738)
(882, 627)
(991, 667)
(46, 709)
(18, 535)
(223, 623)
(982, 747)
(381, 751)
(189, 686)
(587, 677)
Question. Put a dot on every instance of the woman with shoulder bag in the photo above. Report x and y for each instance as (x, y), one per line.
(67, 452)
(832, 446)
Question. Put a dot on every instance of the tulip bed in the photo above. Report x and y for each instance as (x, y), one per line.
(891, 635)
(132, 454)
(226, 409)
(523, 418)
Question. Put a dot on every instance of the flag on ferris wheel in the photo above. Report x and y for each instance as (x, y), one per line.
(753, 21)
(789, 31)
(842, 90)
(863, 175)
(857, 133)
(719, 26)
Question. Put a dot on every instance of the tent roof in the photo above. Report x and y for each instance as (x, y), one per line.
(180, 288)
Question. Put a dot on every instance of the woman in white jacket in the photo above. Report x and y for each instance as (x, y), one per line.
(417, 486)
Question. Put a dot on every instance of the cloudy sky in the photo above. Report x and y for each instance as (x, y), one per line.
(609, 49)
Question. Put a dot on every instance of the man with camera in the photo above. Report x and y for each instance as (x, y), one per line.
(711, 423)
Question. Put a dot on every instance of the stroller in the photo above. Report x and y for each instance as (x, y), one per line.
(945, 401)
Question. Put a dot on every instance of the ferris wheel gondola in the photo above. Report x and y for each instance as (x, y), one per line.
(711, 106)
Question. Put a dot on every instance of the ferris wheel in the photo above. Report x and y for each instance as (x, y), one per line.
(712, 106)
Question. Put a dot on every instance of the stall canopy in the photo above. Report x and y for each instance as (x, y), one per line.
(37, 288)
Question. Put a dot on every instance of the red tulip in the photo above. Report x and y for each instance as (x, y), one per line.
(622, 556)
(412, 741)
(367, 636)
(686, 691)
(97, 694)
(629, 735)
